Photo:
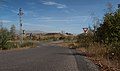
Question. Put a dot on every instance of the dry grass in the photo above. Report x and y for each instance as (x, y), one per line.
(64, 44)
(97, 54)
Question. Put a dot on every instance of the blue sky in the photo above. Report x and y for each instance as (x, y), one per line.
(53, 15)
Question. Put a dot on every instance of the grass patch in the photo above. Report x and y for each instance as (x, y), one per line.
(10, 45)
(102, 56)
(15, 45)
(27, 44)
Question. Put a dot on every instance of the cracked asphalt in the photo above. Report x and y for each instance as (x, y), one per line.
(44, 58)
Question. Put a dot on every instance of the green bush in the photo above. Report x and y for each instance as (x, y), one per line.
(4, 38)
(10, 45)
(27, 44)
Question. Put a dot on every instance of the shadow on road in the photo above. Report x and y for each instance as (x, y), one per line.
(73, 53)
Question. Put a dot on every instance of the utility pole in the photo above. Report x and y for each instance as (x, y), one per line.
(20, 21)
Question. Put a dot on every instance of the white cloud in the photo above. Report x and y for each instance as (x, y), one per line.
(62, 19)
(30, 13)
(81, 19)
(58, 5)
(3, 1)
(38, 25)
(5, 21)
(53, 19)
(74, 17)
(26, 12)
(43, 18)
(14, 11)
(3, 6)
(59, 20)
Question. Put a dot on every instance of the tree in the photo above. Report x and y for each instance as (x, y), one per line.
(85, 39)
(109, 31)
(12, 32)
(4, 37)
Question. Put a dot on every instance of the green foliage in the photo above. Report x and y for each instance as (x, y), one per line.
(106, 38)
(12, 45)
(4, 38)
(27, 44)
(68, 38)
(85, 39)
(109, 31)
(12, 32)
(49, 39)
(80, 37)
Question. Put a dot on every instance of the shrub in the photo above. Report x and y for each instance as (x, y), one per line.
(4, 38)
(27, 44)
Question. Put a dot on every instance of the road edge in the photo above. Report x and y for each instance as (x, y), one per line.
(83, 63)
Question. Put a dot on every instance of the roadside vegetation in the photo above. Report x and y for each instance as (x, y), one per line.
(101, 44)
(9, 40)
